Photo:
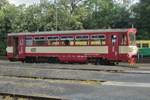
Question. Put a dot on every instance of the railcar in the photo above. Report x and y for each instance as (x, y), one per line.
(143, 43)
(144, 48)
(101, 46)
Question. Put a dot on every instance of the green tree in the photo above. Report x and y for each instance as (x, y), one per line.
(106, 14)
(142, 11)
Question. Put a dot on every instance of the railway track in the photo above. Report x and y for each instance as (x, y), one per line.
(65, 73)
(56, 82)
(83, 67)
(19, 88)
(101, 68)
(9, 96)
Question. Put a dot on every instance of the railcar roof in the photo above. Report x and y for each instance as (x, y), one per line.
(69, 32)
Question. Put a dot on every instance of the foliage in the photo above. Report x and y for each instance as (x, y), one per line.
(142, 11)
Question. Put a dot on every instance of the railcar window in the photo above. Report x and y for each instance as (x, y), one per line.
(40, 41)
(53, 40)
(123, 39)
(145, 45)
(67, 40)
(138, 45)
(97, 37)
(132, 38)
(98, 40)
(82, 40)
(29, 41)
(82, 37)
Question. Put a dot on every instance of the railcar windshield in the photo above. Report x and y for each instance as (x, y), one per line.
(132, 38)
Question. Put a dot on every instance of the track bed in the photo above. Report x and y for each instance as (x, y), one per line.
(70, 81)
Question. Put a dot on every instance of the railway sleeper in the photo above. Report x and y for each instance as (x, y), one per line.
(8, 96)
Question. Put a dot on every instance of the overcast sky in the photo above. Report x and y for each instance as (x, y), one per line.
(27, 2)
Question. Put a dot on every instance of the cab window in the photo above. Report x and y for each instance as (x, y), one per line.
(132, 39)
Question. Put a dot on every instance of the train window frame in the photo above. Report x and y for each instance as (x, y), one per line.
(145, 45)
(38, 39)
(132, 38)
(98, 40)
(53, 39)
(80, 41)
(28, 40)
(67, 40)
(76, 37)
(67, 37)
(138, 45)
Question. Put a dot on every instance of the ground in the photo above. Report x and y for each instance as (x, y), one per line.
(76, 81)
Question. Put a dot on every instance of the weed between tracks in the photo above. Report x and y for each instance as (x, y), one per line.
(57, 80)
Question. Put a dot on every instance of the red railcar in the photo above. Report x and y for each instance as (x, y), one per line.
(96, 46)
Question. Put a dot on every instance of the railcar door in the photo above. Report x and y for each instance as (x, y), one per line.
(15, 46)
(18, 46)
(113, 47)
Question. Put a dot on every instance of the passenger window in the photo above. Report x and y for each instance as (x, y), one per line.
(123, 39)
(138, 45)
(82, 40)
(67, 40)
(145, 45)
(98, 39)
(53, 40)
(40, 41)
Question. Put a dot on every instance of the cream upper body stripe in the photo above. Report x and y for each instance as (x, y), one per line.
(80, 49)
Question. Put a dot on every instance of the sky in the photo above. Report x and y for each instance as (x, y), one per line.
(27, 2)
